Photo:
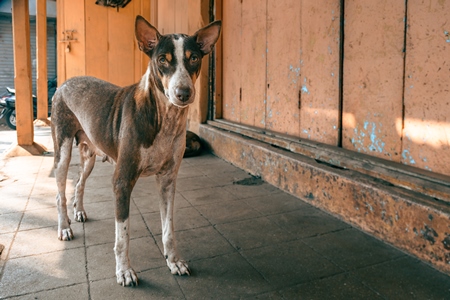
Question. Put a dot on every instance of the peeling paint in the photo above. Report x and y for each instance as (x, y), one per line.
(406, 155)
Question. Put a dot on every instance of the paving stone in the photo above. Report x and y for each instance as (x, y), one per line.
(365, 250)
(253, 233)
(406, 278)
(5, 240)
(71, 292)
(43, 272)
(341, 286)
(194, 183)
(290, 263)
(10, 222)
(223, 277)
(276, 203)
(153, 284)
(225, 212)
(39, 218)
(308, 222)
(150, 203)
(208, 196)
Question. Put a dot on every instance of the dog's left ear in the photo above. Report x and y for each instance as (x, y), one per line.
(208, 36)
(147, 36)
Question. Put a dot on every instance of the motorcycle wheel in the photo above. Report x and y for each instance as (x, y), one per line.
(11, 119)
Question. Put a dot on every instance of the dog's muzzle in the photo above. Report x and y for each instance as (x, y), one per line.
(181, 96)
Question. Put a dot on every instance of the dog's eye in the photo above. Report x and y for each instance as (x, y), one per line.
(162, 60)
(194, 59)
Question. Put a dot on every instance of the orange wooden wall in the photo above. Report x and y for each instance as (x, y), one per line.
(105, 45)
(281, 72)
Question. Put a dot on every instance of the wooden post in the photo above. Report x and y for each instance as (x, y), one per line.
(41, 53)
(22, 72)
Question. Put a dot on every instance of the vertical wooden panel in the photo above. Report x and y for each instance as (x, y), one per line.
(74, 20)
(231, 54)
(320, 28)
(253, 63)
(181, 15)
(166, 16)
(373, 77)
(61, 65)
(41, 54)
(96, 40)
(22, 72)
(121, 45)
(283, 66)
(218, 100)
(426, 135)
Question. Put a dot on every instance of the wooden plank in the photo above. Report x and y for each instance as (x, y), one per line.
(75, 55)
(22, 72)
(121, 45)
(283, 66)
(373, 77)
(166, 16)
(181, 15)
(253, 63)
(41, 55)
(320, 28)
(426, 134)
(60, 47)
(231, 54)
(96, 40)
(141, 61)
(218, 101)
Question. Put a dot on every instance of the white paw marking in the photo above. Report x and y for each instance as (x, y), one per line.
(80, 215)
(65, 234)
(127, 278)
(179, 267)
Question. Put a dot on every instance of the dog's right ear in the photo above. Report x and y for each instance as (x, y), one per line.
(147, 36)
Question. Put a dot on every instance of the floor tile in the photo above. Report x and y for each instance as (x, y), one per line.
(41, 272)
(223, 277)
(225, 212)
(208, 196)
(365, 250)
(70, 292)
(251, 191)
(406, 278)
(44, 240)
(153, 284)
(287, 264)
(276, 203)
(10, 222)
(339, 287)
(253, 233)
(308, 222)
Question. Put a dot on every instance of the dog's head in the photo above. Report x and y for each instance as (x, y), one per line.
(175, 59)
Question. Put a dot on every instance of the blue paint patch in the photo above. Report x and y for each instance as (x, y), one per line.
(406, 155)
(305, 89)
(371, 131)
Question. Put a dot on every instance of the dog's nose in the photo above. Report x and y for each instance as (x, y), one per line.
(183, 94)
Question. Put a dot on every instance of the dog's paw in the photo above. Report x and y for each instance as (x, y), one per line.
(179, 267)
(127, 278)
(80, 215)
(65, 234)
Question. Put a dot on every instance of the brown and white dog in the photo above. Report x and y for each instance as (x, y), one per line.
(142, 128)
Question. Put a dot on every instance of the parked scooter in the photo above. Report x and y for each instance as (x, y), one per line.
(8, 104)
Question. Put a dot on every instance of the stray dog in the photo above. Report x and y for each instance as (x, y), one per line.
(141, 128)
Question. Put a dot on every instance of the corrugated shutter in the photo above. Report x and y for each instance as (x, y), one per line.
(7, 53)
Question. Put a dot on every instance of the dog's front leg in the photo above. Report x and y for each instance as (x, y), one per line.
(123, 185)
(167, 190)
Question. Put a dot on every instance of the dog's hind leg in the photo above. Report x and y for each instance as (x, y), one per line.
(63, 153)
(87, 159)
(167, 190)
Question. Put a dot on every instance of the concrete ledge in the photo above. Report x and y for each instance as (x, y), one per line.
(413, 222)
(29, 150)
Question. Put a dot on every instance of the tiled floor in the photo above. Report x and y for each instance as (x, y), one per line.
(241, 241)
